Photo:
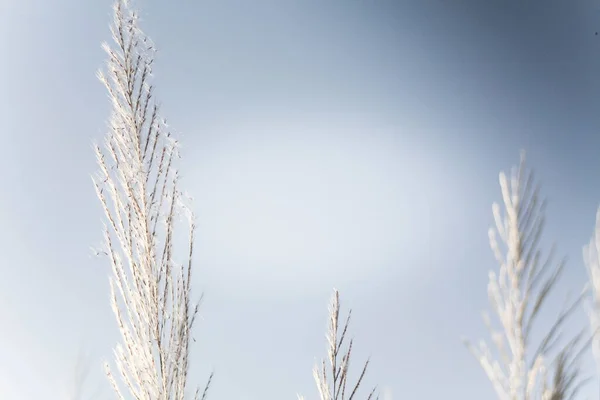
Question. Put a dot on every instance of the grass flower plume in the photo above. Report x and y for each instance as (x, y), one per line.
(517, 293)
(332, 377)
(138, 188)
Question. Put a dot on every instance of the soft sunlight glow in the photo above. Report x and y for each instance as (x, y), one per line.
(317, 206)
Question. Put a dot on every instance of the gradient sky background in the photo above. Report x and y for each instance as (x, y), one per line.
(349, 144)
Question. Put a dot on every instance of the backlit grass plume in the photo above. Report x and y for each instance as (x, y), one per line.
(138, 188)
(331, 377)
(592, 263)
(517, 293)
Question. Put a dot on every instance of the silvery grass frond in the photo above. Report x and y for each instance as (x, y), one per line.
(332, 377)
(138, 188)
(517, 293)
(591, 258)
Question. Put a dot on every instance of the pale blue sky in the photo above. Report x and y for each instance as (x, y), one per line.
(353, 144)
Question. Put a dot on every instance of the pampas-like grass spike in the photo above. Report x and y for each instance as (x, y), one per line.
(334, 385)
(517, 293)
(137, 187)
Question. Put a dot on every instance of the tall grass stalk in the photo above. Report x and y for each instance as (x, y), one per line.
(591, 258)
(517, 293)
(138, 188)
(331, 377)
